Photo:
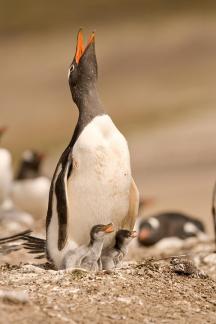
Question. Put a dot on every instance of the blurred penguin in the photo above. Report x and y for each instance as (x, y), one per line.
(6, 174)
(169, 227)
(30, 189)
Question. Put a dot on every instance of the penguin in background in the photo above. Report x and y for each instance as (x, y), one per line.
(30, 165)
(6, 174)
(168, 226)
(30, 189)
(92, 183)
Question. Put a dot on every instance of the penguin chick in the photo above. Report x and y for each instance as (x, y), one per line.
(111, 258)
(87, 257)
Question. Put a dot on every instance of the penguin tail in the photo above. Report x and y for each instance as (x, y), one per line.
(14, 238)
(32, 244)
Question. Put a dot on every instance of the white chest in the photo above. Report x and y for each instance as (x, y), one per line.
(99, 186)
(5, 174)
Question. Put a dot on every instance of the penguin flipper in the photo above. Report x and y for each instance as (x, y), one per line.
(61, 192)
(130, 219)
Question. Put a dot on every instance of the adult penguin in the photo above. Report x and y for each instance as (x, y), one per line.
(92, 183)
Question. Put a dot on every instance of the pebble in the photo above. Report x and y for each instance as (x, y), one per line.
(32, 269)
(210, 259)
(14, 296)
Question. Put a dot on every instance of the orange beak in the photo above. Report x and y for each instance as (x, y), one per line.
(2, 130)
(108, 228)
(41, 156)
(144, 234)
(80, 48)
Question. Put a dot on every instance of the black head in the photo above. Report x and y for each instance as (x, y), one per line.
(30, 165)
(148, 230)
(99, 231)
(82, 73)
(124, 237)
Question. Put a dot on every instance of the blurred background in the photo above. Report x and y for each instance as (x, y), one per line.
(157, 77)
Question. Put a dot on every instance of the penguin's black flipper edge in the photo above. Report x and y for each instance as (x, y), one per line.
(61, 191)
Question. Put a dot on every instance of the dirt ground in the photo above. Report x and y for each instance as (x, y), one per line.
(146, 291)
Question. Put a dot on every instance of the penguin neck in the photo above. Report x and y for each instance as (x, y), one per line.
(97, 246)
(88, 103)
(120, 246)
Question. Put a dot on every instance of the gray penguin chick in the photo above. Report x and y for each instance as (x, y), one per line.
(112, 258)
(87, 256)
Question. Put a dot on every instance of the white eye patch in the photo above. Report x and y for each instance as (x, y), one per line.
(154, 222)
(70, 70)
(27, 155)
(190, 228)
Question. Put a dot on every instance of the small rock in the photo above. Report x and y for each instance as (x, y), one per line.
(14, 296)
(125, 300)
(29, 268)
(186, 267)
(210, 259)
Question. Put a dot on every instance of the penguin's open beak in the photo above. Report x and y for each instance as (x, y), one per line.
(80, 48)
(133, 234)
(108, 228)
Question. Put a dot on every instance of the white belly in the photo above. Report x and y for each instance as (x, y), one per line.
(98, 189)
(31, 195)
(5, 174)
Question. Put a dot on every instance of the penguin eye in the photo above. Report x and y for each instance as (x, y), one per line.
(72, 68)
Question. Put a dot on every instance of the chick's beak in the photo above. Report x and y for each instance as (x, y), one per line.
(108, 228)
(80, 48)
(133, 234)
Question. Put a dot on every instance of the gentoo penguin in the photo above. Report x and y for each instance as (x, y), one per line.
(6, 174)
(87, 256)
(112, 257)
(92, 183)
(30, 190)
(169, 225)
